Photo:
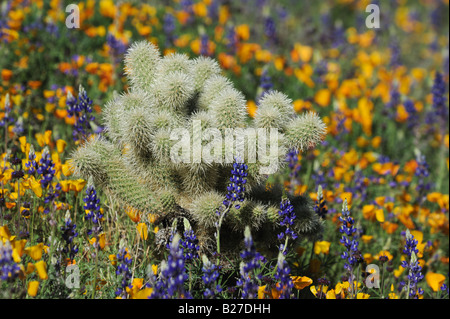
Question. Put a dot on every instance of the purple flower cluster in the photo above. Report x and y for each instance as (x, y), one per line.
(413, 116)
(170, 284)
(204, 45)
(394, 101)
(395, 54)
(351, 254)
(251, 262)
(294, 165)
(81, 109)
(209, 278)
(265, 83)
(232, 40)
(69, 232)
(169, 28)
(270, 30)
(31, 165)
(189, 244)
(236, 187)
(438, 115)
(46, 168)
(422, 172)
(287, 218)
(283, 277)
(52, 193)
(9, 270)
(93, 212)
(412, 265)
(439, 101)
(123, 272)
(117, 47)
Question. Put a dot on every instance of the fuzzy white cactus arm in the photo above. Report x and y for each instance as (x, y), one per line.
(141, 62)
(305, 132)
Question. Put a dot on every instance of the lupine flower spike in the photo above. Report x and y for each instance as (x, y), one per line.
(411, 264)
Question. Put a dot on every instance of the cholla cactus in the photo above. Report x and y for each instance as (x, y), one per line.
(133, 160)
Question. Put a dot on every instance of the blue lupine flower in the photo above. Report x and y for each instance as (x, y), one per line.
(204, 45)
(68, 234)
(93, 212)
(395, 54)
(159, 285)
(9, 270)
(81, 109)
(283, 277)
(410, 246)
(412, 265)
(236, 188)
(123, 271)
(413, 117)
(287, 218)
(422, 172)
(52, 193)
(439, 101)
(72, 104)
(321, 70)
(169, 28)
(436, 16)
(46, 168)
(31, 165)
(52, 29)
(209, 278)
(18, 127)
(170, 284)
(232, 40)
(85, 108)
(270, 29)
(251, 263)
(294, 168)
(293, 163)
(445, 290)
(187, 5)
(118, 48)
(351, 254)
(265, 83)
(438, 115)
(190, 245)
(213, 10)
(394, 101)
(339, 37)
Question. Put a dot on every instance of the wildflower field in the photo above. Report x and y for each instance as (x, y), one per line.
(94, 206)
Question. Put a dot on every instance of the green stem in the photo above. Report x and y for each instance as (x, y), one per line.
(356, 282)
(219, 225)
(94, 281)
(408, 289)
(282, 252)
